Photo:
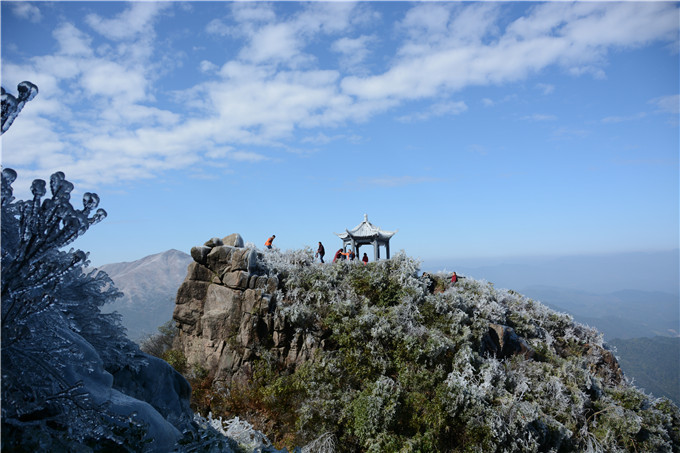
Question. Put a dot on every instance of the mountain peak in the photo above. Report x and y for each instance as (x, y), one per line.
(381, 358)
(149, 286)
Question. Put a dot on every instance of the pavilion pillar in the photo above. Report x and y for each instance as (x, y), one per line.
(376, 250)
(387, 250)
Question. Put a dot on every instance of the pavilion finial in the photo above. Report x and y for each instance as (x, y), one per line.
(365, 217)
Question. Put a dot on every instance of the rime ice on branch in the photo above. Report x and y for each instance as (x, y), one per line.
(32, 233)
(11, 106)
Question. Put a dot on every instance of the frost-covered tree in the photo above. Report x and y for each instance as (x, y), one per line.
(53, 334)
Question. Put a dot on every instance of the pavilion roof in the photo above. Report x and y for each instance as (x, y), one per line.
(367, 230)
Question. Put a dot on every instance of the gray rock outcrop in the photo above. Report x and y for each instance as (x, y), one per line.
(227, 313)
(502, 342)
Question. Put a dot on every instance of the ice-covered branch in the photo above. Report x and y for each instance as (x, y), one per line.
(11, 105)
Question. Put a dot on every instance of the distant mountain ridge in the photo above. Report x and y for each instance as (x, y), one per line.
(149, 286)
(621, 314)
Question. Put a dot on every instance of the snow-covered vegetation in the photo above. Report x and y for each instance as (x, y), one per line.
(405, 367)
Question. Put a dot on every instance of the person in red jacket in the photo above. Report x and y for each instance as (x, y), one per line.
(365, 259)
(337, 256)
(455, 278)
(268, 244)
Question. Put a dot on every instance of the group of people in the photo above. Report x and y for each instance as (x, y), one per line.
(321, 251)
(349, 256)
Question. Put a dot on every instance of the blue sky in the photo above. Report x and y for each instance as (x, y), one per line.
(478, 130)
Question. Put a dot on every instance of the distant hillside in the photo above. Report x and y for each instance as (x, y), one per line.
(653, 363)
(149, 286)
(620, 314)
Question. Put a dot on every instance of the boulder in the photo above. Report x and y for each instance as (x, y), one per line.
(233, 240)
(200, 254)
(213, 242)
(198, 272)
(502, 341)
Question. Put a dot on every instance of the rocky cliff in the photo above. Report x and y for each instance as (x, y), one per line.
(226, 310)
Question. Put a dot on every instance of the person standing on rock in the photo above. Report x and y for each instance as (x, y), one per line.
(268, 244)
(320, 252)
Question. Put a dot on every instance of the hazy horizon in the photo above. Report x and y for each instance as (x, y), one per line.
(598, 273)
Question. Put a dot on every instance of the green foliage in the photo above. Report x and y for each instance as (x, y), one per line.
(176, 359)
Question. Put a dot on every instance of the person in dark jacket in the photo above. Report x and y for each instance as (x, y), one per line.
(320, 252)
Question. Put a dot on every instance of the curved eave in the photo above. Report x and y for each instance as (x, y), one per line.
(387, 234)
(380, 235)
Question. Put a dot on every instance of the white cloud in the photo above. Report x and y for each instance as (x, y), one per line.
(129, 24)
(247, 156)
(354, 51)
(248, 12)
(72, 41)
(284, 42)
(275, 42)
(396, 181)
(436, 110)
(545, 88)
(477, 149)
(322, 139)
(623, 119)
(277, 86)
(539, 117)
(668, 104)
(27, 11)
(574, 35)
(208, 66)
(113, 80)
(218, 27)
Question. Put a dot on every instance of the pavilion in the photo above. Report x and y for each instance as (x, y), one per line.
(367, 234)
